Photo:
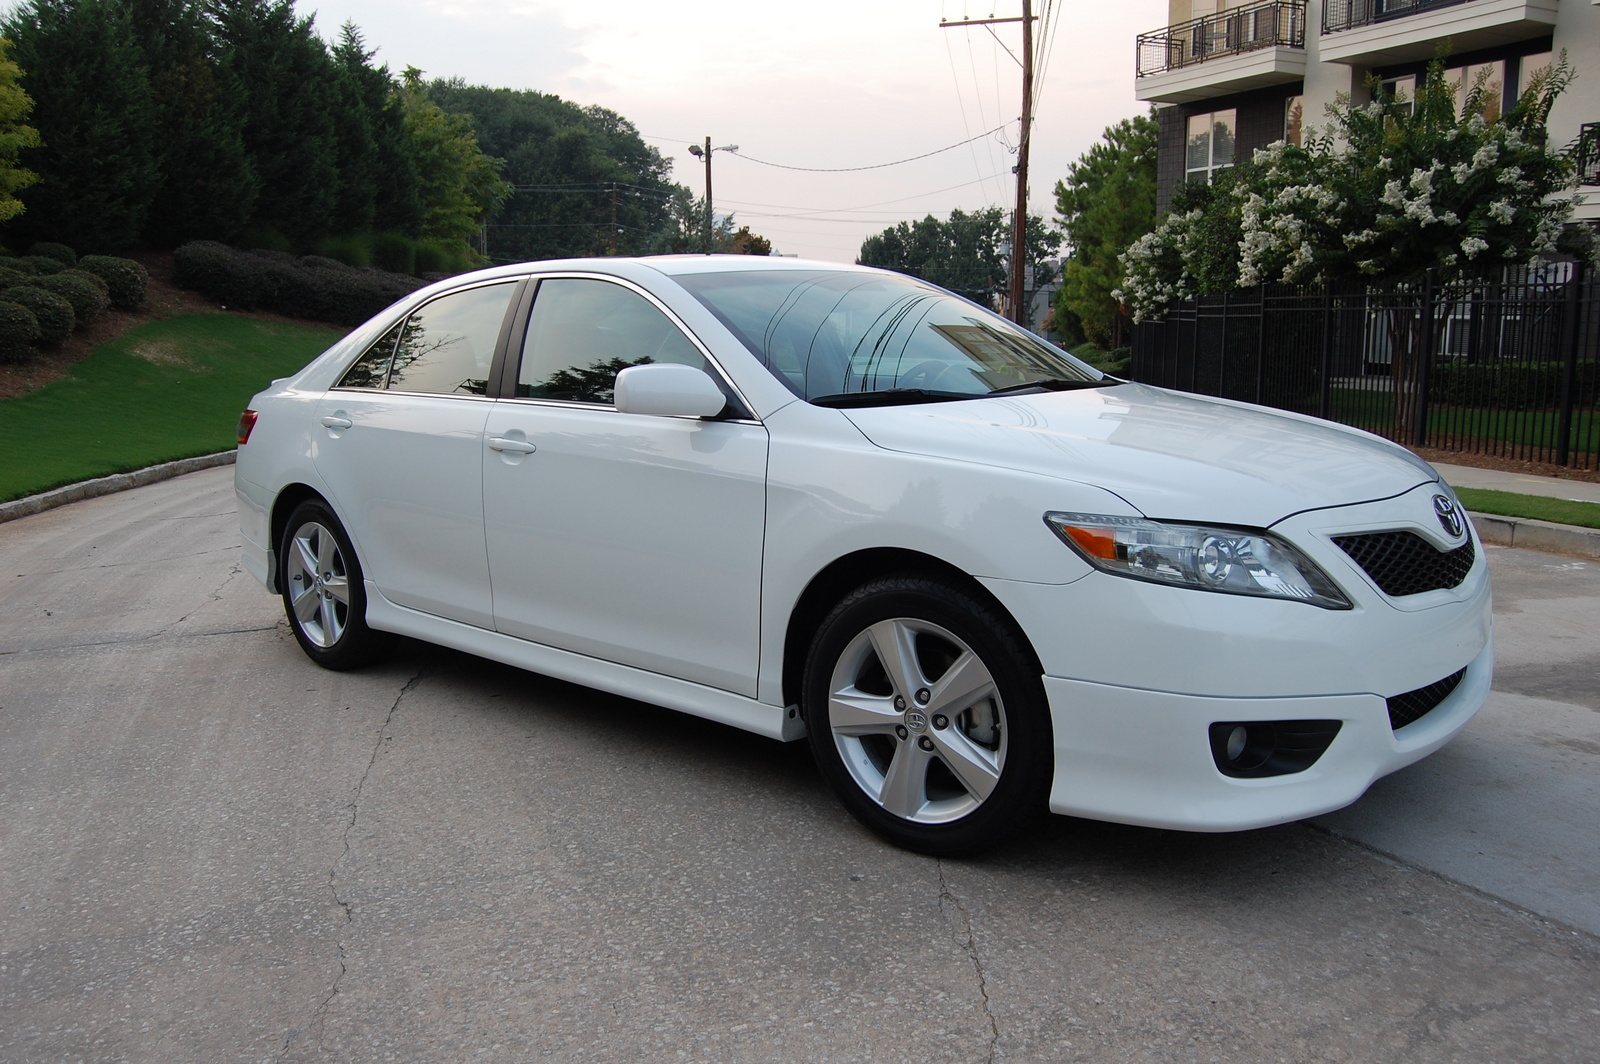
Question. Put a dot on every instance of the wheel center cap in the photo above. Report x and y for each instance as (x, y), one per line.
(916, 720)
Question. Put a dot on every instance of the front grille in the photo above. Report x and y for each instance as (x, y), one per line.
(1413, 705)
(1403, 563)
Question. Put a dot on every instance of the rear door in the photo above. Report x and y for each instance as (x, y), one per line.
(400, 448)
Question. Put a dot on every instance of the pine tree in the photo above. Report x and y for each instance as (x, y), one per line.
(92, 107)
(290, 93)
(208, 183)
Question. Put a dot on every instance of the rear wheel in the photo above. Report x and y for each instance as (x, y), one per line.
(323, 594)
(927, 716)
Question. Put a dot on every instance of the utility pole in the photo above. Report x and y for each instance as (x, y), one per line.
(697, 151)
(1019, 218)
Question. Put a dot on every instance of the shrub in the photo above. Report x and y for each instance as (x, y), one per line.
(354, 250)
(252, 280)
(438, 257)
(54, 314)
(19, 330)
(126, 279)
(321, 262)
(11, 275)
(60, 252)
(264, 237)
(86, 298)
(394, 252)
(1508, 385)
(93, 278)
(43, 265)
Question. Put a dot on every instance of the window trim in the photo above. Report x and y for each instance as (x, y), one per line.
(505, 387)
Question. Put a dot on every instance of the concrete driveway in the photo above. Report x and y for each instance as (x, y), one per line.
(211, 850)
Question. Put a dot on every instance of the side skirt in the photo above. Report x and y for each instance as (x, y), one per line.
(774, 722)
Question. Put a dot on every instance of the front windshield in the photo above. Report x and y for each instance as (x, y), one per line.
(842, 338)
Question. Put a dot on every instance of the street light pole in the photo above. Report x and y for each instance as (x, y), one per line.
(697, 150)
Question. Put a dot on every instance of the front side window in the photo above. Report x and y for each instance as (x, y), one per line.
(583, 332)
(858, 338)
(1210, 144)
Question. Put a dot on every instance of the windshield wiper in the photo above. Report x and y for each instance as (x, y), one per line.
(889, 397)
(1055, 384)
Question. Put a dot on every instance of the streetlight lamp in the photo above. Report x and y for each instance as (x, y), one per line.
(697, 151)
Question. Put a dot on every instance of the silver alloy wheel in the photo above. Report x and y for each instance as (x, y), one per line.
(917, 720)
(317, 583)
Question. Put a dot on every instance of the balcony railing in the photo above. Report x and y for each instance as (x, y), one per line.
(1348, 14)
(1275, 23)
(1586, 153)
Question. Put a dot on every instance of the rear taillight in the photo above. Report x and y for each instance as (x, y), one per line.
(247, 422)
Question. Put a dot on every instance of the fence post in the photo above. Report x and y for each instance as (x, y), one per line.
(1424, 363)
(1222, 350)
(1569, 370)
(1326, 388)
(1261, 347)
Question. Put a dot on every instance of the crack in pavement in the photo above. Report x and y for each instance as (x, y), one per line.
(964, 938)
(319, 1015)
(126, 564)
(132, 640)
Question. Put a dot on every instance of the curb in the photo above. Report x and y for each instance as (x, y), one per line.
(89, 489)
(1529, 534)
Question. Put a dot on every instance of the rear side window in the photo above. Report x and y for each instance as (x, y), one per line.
(584, 332)
(445, 347)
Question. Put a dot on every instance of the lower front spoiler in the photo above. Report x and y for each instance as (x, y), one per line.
(1144, 757)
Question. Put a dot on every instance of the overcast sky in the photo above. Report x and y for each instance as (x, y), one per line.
(815, 83)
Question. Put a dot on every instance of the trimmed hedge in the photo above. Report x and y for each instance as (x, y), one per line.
(19, 331)
(277, 282)
(127, 281)
(11, 275)
(1509, 385)
(84, 293)
(43, 265)
(60, 252)
(54, 314)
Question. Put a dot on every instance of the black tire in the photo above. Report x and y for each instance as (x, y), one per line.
(323, 594)
(927, 716)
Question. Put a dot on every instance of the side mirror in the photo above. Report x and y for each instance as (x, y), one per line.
(668, 389)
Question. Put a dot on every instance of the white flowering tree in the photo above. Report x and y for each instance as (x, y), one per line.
(1387, 192)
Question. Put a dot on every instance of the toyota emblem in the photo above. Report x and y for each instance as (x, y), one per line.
(1449, 515)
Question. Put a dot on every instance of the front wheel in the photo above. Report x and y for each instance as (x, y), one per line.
(323, 594)
(927, 716)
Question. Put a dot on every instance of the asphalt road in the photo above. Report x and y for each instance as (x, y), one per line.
(210, 850)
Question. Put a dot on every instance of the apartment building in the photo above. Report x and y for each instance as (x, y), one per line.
(1230, 76)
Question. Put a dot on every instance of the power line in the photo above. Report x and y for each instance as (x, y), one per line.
(874, 166)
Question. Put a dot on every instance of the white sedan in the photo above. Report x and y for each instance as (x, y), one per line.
(826, 502)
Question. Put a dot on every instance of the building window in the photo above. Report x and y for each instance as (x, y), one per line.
(1293, 111)
(1463, 79)
(1402, 90)
(1528, 66)
(1210, 145)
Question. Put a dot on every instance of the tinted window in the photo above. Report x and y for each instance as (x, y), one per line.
(448, 345)
(832, 334)
(371, 369)
(583, 332)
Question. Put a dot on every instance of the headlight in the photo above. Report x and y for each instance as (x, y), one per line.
(1229, 560)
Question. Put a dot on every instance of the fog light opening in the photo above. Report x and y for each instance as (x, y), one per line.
(1254, 749)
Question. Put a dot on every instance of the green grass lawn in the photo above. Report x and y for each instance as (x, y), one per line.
(1374, 411)
(1510, 504)
(169, 389)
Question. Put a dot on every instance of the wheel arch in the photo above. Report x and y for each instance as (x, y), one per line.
(291, 496)
(843, 575)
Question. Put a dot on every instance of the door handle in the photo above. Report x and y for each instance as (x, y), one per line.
(500, 443)
(332, 422)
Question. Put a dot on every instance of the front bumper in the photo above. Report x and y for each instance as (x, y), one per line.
(1143, 757)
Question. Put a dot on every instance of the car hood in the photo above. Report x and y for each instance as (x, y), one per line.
(1170, 455)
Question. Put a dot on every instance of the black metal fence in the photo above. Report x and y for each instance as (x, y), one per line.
(1348, 14)
(1504, 363)
(1265, 24)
